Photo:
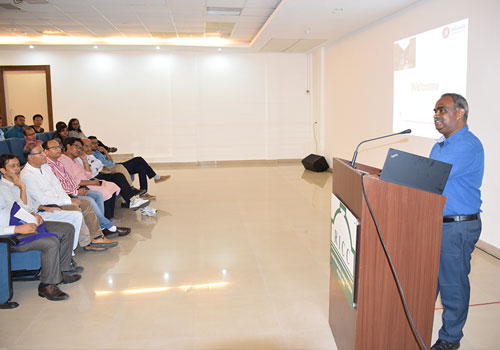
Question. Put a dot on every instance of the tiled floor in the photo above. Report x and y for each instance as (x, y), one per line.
(236, 258)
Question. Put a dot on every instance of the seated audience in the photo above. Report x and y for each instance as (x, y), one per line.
(30, 135)
(61, 134)
(54, 241)
(70, 186)
(128, 192)
(13, 190)
(44, 187)
(136, 165)
(37, 123)
(16, 131)
(99, 190)
(76, 131)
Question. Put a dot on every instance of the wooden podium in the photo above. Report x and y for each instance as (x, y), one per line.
(410, 221)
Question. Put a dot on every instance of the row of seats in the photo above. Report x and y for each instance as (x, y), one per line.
(16, 261)
(16, 146)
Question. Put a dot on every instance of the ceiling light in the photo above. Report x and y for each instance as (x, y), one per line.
(157, 47)
(96, 47)
(52, 32)
(223, 11)
(31, 47)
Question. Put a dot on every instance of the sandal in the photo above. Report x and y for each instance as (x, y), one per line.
(147, 196)
(89, 248)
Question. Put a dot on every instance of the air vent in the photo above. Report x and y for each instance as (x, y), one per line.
(223, 11)
(38, 2)
(9, 7)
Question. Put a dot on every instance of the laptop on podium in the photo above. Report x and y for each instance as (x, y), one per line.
(415, 171)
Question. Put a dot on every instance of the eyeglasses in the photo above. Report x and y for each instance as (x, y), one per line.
(442, 110)
(36, 153)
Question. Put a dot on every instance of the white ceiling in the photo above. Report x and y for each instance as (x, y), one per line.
(263, 25)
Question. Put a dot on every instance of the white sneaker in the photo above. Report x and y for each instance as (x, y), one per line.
(138, 203)
(148, 211)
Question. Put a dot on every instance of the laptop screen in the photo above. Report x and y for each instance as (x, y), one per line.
(414, 171)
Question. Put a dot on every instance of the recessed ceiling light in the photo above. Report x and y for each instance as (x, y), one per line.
(96, 47)
(157, 47)
(219, 49)
(223, 11)
(31, 47)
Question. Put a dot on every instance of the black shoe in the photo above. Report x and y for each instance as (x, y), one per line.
(121, 231)
(444, 345)
(52, 292)
(74, 268)
(67, 278)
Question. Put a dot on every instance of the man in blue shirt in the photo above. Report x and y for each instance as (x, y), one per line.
(461, 222)
(17, 129)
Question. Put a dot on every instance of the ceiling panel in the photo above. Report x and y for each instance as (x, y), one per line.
(294, 22)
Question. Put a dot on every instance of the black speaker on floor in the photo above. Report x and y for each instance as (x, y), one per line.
(315, 163)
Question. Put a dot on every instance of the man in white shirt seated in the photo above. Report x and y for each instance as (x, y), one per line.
(55, 248)
(44, 187)
(13, 190)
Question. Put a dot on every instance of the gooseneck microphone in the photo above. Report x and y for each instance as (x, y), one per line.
(353, 162)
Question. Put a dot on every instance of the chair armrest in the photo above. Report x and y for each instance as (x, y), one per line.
(9, 240)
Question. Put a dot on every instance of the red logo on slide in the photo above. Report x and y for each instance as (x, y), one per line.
(446, 32)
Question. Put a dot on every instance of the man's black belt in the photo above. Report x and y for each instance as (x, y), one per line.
(457, 218)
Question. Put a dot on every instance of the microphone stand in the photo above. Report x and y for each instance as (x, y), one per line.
(353, 162)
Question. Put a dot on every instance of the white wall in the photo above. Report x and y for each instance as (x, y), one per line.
(358, 89)
(183, 106)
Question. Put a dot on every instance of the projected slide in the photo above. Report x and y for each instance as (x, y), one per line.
(426, 66)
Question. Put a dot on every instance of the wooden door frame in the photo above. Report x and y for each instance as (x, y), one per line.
(48, 87)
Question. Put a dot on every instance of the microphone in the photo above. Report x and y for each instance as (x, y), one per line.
(353, 162)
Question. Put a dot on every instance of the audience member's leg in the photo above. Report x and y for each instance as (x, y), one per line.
(120, 180)
(103, 221)
(138, 165)
(49, 246)
(74, 217)
(85, 237)
(109, 207)
(65, 232)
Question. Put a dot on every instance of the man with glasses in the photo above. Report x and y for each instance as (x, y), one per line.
(44, 187)
(461, 222)
(30, 135)
(71, 186)
(13, 190)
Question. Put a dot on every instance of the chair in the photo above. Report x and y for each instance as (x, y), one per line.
(50, 135)
(4, 147)
(42, 136)
(5, 128)
(16, 147)
(14, 261)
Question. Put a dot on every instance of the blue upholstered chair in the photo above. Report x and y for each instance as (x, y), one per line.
(16, 147)
(14, 261)
(4, 147)
(42, 136)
